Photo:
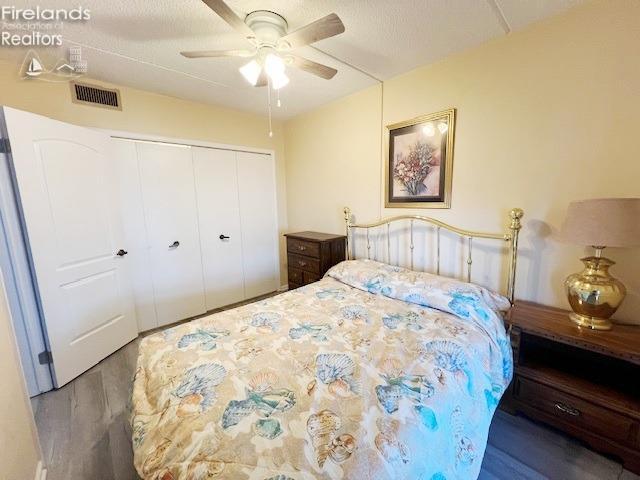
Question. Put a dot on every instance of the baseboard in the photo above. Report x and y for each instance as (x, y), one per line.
(283, 288)
(41, 472)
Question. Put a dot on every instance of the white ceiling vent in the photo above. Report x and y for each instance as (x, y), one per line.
(95, 95)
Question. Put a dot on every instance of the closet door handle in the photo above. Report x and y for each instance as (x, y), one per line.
(121, 253)
(175, 244)
(224, 237)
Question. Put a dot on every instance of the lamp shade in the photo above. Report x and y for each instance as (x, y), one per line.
(603, 222)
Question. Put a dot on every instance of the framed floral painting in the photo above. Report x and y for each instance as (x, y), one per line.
(420, 161)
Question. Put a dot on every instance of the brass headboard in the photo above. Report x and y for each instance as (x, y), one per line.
(511, 237)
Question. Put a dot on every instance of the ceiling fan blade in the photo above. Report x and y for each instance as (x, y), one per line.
(325, 27)
(228, 15)
(315, 68)
(217, 53)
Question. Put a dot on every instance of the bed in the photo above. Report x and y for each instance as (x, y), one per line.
(374, 372)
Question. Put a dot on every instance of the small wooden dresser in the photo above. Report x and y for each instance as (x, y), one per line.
(311, 254)
(582, 381)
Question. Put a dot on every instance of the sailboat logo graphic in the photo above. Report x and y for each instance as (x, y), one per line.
(64, 69)
(35, 68)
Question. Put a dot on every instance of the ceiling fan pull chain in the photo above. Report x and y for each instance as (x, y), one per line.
(269, 104)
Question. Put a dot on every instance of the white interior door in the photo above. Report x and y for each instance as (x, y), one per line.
(171, 220)
(258, 217)
(67, 193)
(219, 220)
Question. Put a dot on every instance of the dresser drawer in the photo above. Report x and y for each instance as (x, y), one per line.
(295, 276)
(304, 263)
(310, 249)
(309, 277)
(576, 411)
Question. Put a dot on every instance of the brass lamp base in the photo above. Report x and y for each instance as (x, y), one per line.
(594, 295)
(591, 322)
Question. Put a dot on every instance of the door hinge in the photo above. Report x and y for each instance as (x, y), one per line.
(5, 146)
(45, 357)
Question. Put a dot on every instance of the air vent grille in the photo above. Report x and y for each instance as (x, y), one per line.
(94, 95)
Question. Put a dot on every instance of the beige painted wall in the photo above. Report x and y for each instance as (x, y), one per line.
(545, 116)
(335, 161)
(19, 448)
(149, 113)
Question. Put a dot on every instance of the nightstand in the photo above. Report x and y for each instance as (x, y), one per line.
(581, 381)
(311, 254)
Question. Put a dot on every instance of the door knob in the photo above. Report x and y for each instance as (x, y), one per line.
(121, 253)
(224, 237)
(175, 244)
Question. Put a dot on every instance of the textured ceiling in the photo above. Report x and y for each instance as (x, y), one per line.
(136, 43)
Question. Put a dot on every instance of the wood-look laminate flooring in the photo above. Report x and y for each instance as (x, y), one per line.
(85, 435)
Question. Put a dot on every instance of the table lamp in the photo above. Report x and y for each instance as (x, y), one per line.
(594, 295)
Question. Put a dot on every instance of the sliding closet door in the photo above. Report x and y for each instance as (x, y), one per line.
(220, 232)
(168, 195)
(258, 217)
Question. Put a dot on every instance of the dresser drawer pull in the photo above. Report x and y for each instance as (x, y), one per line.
(302, 248)
(301, 263)
(574, 412)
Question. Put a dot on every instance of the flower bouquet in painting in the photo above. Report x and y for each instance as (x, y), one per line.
(412, 169)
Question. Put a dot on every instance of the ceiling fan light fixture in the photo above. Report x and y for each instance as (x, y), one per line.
(274, 65)
(251, 72)
(279, 80)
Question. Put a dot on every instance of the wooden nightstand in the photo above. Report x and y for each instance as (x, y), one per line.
(311, 254)
(581, 381)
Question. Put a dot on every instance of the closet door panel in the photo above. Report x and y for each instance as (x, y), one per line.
(258, 217)
(219, 215)
(133, 221)
(169, 199)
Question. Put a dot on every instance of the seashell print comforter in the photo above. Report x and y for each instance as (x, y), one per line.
(374, 372)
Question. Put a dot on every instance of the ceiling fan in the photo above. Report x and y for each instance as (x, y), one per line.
(272, 44)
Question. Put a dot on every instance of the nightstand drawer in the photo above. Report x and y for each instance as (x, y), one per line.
(310, 277)
(295, 276)
(310, 249)
(575, 411)
(304, 263)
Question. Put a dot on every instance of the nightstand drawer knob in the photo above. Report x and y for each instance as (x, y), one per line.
(574, 412)
(302, 248)
(301, 263)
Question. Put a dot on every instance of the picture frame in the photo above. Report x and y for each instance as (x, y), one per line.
(419, 161)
